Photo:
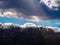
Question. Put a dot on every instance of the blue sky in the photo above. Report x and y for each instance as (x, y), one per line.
(45, 23)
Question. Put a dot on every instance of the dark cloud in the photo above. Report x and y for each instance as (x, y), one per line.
(18, 5)
(29, 8)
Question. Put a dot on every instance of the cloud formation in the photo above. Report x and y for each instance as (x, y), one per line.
(28, 24)
(27, 9)
(8, 13)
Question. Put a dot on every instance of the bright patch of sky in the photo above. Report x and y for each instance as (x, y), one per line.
(23, 21)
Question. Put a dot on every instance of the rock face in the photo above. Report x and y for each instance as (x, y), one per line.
(16, 35)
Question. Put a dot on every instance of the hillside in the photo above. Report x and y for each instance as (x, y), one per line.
(16, 35)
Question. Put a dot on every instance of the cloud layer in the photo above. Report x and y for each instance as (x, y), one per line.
(26, 9)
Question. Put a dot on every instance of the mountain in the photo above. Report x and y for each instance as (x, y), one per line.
(15, 35)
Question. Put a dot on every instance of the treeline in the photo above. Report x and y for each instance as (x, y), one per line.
(28, 36)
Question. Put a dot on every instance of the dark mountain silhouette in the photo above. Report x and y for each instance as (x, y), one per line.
(16, 35)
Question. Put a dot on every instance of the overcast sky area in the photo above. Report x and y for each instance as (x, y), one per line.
(31, 10)
(27, 8)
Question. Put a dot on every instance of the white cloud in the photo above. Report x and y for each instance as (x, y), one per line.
(51, 4)
(8, 13)
(12, 13)
(33, 18)
(28, 24)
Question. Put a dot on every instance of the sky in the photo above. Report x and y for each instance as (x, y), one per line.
(23, 11)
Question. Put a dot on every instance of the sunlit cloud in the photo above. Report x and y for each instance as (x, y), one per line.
(36, 18)
(28, 24)
(51, 4)
(33, 18)
(12, 13)
(8, 13)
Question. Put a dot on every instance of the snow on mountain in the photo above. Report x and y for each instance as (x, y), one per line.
(28, 24)
(8, 25)
(55, 29)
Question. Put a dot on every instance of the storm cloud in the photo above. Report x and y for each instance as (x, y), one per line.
(26, 9)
